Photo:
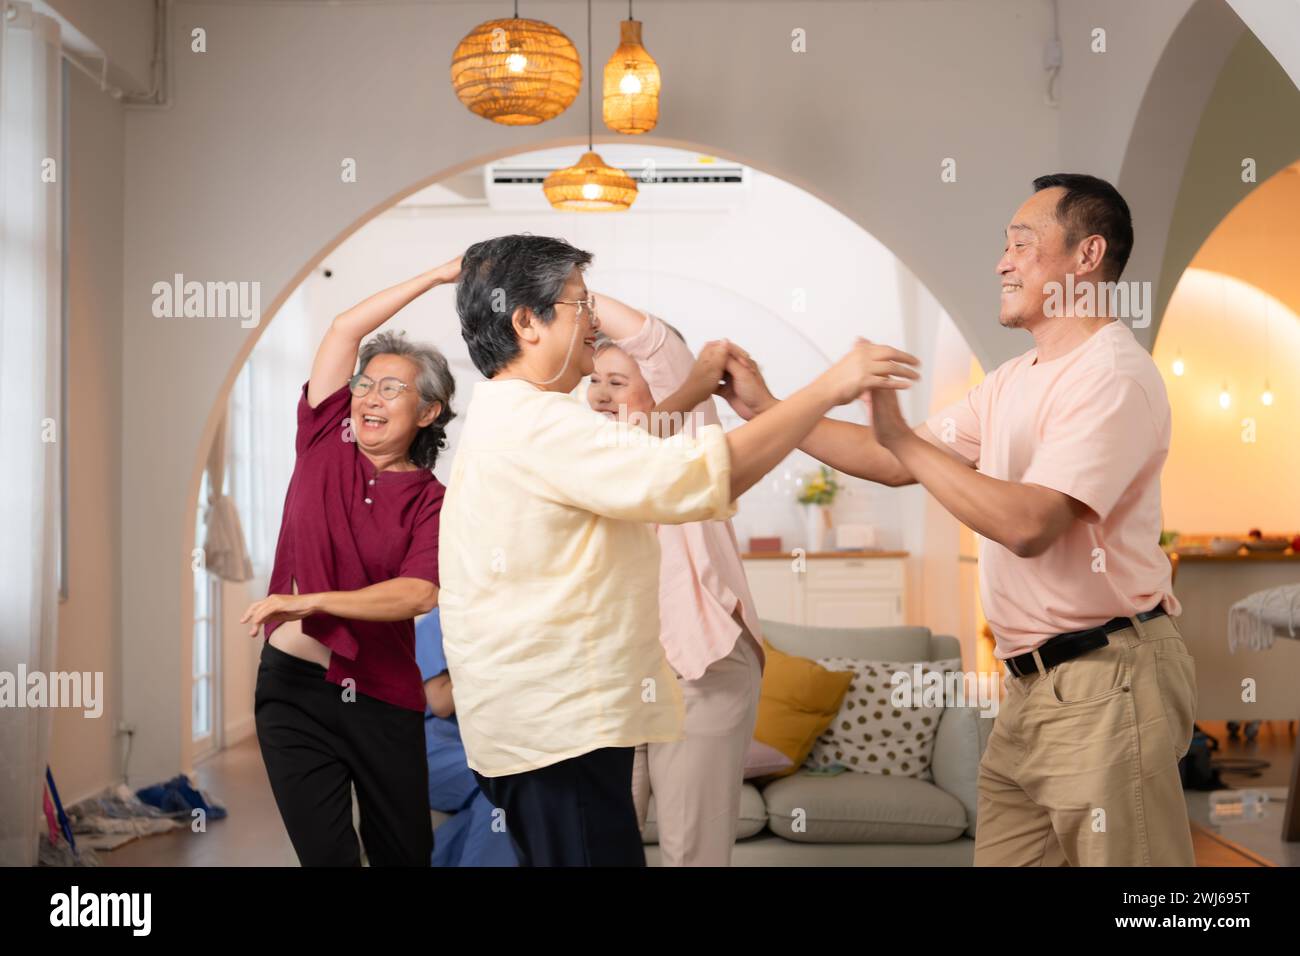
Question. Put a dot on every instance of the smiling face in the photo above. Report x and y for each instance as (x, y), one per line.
(386, 427)
(1036, 254)
(617, 383)
(574, 328)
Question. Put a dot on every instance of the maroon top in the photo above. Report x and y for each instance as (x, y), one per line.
(346, 527)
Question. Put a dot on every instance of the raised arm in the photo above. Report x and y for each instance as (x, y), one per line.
(336, 357)
(618, 320)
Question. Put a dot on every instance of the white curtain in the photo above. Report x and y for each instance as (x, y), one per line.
(224, 553)
(31, 177)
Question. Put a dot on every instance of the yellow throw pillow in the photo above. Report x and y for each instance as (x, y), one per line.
(798, 701)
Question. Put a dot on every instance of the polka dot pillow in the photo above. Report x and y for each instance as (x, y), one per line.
(870, 734)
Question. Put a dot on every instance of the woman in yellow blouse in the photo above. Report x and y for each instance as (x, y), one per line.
(549, 564)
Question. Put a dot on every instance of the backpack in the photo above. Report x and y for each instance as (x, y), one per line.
(1196, 768)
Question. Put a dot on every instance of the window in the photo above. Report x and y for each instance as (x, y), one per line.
(207, 630)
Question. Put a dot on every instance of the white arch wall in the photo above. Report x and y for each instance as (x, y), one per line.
(239, 181)
(712, 275)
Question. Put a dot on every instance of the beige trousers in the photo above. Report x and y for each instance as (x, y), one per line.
(1082, 766)
(696, 781)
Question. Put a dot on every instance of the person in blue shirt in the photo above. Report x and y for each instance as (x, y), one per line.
(476, 834)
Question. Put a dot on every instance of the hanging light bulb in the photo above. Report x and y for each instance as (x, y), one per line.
(516, 72)
(591, 185)
(1267, 397)
(1225, 398)
(631, 99)
(1179, 367)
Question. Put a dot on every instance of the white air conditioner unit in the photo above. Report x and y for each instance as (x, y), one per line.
(697, 187)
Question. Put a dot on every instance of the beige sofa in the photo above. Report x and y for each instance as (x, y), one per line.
(857, 819)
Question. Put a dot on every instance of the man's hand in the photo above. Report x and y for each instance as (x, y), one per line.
(887, 417)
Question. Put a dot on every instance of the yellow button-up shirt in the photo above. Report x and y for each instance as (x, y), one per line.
(549, 573)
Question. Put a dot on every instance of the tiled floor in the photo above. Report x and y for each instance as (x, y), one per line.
(254, 836)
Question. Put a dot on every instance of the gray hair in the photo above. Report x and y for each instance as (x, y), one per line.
(603, 342)
(498, 276)
(433, 383)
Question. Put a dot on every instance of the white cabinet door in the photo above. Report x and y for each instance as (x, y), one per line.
(853, 608)
(854, 592)
(777, 589)
(832, 592)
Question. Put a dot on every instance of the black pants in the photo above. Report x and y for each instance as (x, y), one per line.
(316, 746)
(578, 812)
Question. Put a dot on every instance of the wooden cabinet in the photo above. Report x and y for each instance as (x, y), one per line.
(829, 589)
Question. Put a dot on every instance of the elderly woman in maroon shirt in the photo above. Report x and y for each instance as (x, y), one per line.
(339, 700)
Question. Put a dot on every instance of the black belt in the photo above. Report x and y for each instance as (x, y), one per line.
(1072, 644)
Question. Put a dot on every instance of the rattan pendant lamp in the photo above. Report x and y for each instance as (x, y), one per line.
(631, 83)
(591, 185)
(515, 71)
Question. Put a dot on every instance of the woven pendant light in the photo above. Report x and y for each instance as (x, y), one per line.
(592, 185)
(631, 83)
(516, 72)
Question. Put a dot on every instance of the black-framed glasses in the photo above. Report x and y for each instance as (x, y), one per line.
(589, 303)
(390, 387)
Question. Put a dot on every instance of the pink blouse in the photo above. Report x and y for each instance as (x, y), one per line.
(701, 577)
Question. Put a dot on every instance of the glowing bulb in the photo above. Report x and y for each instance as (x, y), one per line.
(630, 85)
(591, 191)
(1224, 399)
(1179, 367)
(516, 63)
(1267, 397)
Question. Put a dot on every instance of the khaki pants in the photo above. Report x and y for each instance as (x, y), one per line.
(1082, 766)
(697, 780)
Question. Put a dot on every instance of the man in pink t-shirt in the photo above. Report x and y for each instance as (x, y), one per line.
(1054, 460)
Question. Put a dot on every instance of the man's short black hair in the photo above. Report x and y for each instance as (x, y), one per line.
(499, 275)
(1093, 207)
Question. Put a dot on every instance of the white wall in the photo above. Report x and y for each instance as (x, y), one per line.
(84, 753)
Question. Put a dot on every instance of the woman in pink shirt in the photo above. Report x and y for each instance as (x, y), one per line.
(708, 624)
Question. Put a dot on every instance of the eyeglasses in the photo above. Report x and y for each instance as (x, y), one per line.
(390, 388)
(589, 303)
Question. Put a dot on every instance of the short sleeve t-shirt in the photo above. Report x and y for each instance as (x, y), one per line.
(347, 526)
(1093, 424)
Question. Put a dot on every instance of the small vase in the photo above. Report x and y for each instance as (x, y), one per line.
(817, 520)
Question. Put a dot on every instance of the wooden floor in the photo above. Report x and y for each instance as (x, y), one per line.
(1257, 844)
(253, 834)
